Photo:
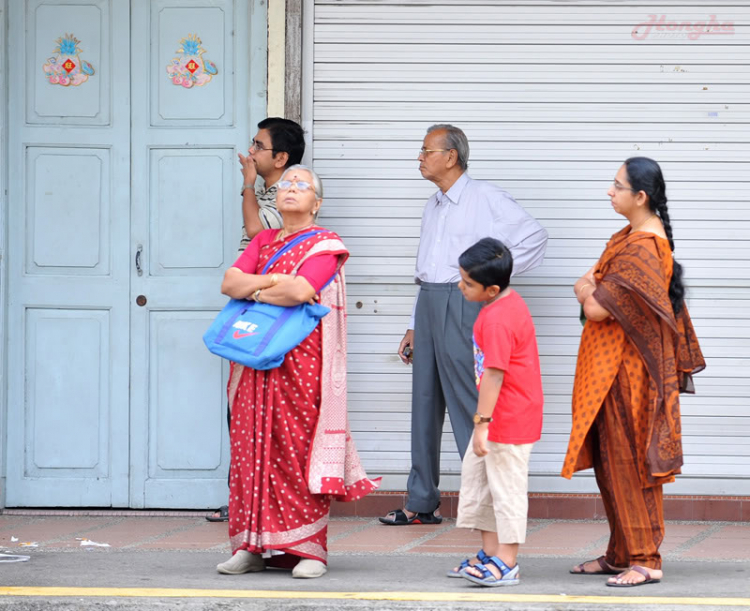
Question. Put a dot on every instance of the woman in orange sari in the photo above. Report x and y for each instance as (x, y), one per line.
(291, 450)
(638, 352)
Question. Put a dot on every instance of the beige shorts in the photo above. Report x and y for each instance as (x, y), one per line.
(495, 491)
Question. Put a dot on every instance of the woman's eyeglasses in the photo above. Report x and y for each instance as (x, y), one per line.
(302, 185)
(619, 187)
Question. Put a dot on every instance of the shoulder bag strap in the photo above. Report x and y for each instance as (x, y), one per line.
(300, 238)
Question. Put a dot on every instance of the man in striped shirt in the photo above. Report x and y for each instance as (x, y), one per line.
(279, 143)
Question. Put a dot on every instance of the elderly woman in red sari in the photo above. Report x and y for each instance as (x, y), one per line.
(638, 352)
(291, 451)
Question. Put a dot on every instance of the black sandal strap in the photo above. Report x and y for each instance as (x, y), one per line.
(223, 516)
(399, 518)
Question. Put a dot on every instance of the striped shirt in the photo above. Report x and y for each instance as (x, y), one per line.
(269, 216)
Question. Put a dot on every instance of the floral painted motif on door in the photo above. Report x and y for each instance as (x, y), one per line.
(66, 68)
(190, 69)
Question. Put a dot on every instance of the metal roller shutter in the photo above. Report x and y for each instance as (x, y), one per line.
(553, 98)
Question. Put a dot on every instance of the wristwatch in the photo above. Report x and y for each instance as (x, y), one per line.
(479, 419)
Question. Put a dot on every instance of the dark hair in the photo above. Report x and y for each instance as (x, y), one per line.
(286, 137)
(645, 175)
(488, 262)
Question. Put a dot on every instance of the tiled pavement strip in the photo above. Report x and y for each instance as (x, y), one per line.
(577, 540)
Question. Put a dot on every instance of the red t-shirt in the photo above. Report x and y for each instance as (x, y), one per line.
(317, 270)
(504, 339)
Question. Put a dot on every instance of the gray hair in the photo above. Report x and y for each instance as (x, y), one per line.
(317, 183)
(456, 139)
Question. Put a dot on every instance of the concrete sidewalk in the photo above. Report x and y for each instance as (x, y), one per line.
(705, 562)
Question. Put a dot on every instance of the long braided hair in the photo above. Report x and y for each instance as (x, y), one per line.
(645, 175)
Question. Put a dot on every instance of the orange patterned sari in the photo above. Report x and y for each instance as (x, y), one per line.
(626, 409)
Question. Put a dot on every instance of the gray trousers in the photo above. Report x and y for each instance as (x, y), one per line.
(443, 376)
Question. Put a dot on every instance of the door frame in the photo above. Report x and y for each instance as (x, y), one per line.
(3, 242)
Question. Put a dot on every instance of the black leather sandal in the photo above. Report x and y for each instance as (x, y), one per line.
(398, 517)
(220, 515)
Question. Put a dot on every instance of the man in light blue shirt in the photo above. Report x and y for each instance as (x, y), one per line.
(458, 215)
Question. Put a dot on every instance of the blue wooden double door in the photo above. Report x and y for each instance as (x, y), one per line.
(125, 119)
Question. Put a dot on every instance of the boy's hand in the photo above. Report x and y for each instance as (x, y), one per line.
(479, 444)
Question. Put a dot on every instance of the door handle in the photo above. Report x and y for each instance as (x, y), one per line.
(138, 253)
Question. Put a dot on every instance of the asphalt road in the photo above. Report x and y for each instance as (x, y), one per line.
(687, 585)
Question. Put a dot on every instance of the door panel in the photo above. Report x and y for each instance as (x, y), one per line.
(66, 350)
(188, 210)
(68, 194)
(186, 221)
(68, 266)
(210, 104)
(187, 451)
(179, 443)
(89, 21)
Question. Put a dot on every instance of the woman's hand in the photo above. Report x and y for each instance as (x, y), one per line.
(584, 290)
(280, 278)
(291, 291)
(585, 285)
(594, 311)
(239, 285)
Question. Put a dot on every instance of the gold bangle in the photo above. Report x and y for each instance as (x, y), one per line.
(591, 293)
(274, 279)
(256, 296)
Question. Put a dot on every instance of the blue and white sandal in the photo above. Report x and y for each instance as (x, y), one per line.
(481, 556)
(510, 577)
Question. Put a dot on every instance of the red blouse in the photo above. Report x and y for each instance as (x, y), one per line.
(317, 270)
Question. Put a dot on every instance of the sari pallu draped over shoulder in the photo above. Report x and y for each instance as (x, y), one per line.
(334, 467)
(633, 276)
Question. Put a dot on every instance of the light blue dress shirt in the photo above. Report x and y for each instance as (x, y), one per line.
(469, 211)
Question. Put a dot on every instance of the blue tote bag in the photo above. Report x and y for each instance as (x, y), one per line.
(259, 335)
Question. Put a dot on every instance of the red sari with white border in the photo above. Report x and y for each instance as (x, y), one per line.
(291, 449)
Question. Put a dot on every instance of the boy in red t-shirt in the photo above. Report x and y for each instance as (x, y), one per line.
(494, 477)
